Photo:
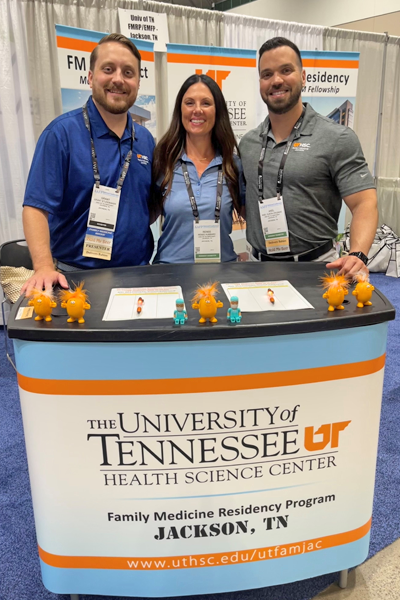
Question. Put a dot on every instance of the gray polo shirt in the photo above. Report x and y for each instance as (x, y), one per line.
(324, 165)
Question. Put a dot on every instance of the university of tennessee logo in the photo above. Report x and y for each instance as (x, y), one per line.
(330, 433)
(218, 76)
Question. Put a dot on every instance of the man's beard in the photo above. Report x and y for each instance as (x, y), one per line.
(290, 103)
(100, 97)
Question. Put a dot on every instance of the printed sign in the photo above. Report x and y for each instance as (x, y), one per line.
(331, 84)
(144, 25)
(234, 71)
(74, 47)
(259, 469)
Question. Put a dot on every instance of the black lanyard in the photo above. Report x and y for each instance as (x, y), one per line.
(94, 157)
(193, 199)
(279, 183)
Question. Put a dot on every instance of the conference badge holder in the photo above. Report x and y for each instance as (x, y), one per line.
(207, 241)
(102, 221)
(206, 233)
(272, 210)
(103, 212)
(274, 225)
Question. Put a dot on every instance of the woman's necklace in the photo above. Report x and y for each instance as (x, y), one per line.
(206, 158)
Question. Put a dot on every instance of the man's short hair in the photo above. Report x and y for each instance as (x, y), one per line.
(277, 42)
(119, 39)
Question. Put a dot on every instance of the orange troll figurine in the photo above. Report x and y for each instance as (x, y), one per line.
(336, 289)
(75, 301)
(204, 300)
(363, 290)
(42, 303)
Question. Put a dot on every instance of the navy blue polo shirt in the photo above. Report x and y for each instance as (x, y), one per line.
(61, 182)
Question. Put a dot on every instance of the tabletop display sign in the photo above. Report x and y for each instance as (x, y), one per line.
(331, 84)
(207, 474)
(235, 72)
(144, 25)
(74, 47)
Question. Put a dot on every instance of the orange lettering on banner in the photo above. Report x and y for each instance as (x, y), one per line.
(217, 76)
(329, 432)
(309, 444)
(336, 429)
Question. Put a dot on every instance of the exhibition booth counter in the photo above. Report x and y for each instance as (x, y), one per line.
(170, 460)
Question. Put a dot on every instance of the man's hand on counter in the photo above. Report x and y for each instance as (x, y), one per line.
(44, 278)
(348, 265)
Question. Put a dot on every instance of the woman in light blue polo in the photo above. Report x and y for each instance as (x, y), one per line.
(199, 178)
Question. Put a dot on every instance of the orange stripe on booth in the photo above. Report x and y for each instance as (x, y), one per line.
(190, 385)
(159, 563)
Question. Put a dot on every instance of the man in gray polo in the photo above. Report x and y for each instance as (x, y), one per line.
(298, 166)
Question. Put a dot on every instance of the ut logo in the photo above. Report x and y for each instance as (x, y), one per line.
(218, 76)
(330, 433)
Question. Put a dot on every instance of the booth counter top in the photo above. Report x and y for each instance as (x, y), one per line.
(303, 276)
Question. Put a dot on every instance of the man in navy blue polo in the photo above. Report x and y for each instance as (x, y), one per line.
(86, 200)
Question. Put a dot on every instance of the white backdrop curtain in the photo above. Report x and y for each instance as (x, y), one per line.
(251, 33)
(17, 141)
(371, 48)
(389, 202)
(389, 159)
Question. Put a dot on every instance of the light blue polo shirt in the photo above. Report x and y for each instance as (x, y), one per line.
(61, 182)
(176, 244)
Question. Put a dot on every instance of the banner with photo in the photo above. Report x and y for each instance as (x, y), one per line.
(234, 70)
(331, 84)
(331, 87)
(74, 47)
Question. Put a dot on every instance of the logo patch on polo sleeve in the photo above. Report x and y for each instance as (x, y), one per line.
(143, 159)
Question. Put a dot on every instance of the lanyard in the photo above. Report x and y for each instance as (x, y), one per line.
(94, 157)
(193, 199)
(279, 183)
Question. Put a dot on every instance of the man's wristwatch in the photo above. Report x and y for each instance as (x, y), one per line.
(360, 255)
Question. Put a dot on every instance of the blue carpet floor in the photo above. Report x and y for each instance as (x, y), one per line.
(19, 564)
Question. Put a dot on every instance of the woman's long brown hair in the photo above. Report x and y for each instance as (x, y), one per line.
(172, 144)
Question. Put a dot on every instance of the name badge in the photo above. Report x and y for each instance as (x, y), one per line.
(274, 225)
(207, 242)
(102, 222)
